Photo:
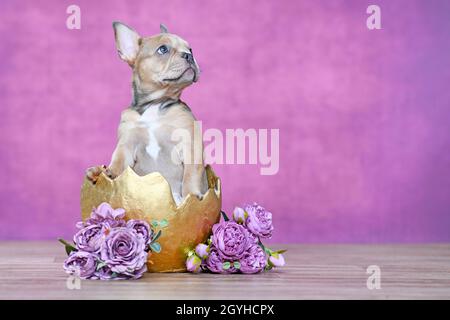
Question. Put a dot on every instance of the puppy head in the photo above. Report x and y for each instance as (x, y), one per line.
(162, 64)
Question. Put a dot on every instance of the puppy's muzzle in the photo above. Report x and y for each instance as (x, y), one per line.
(188, 57)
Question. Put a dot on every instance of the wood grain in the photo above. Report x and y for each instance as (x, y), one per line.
(33, 270)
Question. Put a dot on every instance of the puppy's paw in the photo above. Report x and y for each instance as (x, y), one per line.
(199, 195)
(93, 173)
(109, 172)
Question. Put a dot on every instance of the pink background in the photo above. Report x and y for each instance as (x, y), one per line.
(363, 115)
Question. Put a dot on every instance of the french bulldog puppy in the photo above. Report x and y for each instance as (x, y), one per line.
(162, 66)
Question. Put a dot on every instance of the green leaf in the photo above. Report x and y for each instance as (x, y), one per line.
(113, 275)
(64, 242)
(68, 246)
(226, 265)
(100, 265)
(154, 223)
(156, 247)
(224, 215)
(156, 237)
(163, 223)
(266, 250)
(69, 250)
(281, 251)
(237, 264)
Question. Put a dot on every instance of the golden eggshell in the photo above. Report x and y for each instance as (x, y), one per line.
(150, 198)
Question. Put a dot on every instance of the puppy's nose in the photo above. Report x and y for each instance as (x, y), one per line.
(188, 57)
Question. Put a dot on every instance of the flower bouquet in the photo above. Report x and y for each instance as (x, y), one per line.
(109, 248)
(236, 245)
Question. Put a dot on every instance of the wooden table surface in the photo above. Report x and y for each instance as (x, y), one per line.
(33, 270)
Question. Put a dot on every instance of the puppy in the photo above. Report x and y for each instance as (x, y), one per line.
(162, 66)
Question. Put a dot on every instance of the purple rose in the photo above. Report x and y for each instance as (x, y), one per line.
(254, 260)
(202, 250)
(90, 238)
(105, 213)
(230, 239)
(193, 263)
(253, 238)
(142, 228)
(81, 264)
(105, 273)
(259, 221)
(124, 251)
(277, 259)
(215, 261)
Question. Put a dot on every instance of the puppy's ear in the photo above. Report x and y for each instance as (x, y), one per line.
(163, 28)
(127, 42)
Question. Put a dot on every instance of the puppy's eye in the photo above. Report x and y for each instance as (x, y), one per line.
(163, 49)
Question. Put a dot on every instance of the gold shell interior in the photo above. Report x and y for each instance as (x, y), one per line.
(150, 198)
